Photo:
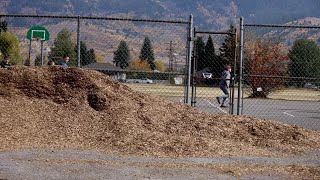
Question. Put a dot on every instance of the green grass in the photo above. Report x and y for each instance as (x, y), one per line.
(209, 92)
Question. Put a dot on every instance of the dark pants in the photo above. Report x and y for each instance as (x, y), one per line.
(224, 97)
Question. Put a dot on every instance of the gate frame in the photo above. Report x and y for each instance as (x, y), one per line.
(194, 60)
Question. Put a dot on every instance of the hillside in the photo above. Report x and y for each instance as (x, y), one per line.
(209, 14)
(212, 15)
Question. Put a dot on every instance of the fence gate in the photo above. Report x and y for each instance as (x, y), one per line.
(211, 52)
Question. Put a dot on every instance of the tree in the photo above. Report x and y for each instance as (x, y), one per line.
(87, 56)
(267, 68)
(84, 59)
(160, 65)
(200, 53)
(63, 45)
(3, 26)
(99, 57)
(146, 53)
(209, 49)
(122, 55)
(305, 60)
(227, 49)
(37, 61)
(213, 61)
(92, 56)
(9, 46)
(139, 65)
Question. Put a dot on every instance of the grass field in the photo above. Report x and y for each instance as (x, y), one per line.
(208, 92)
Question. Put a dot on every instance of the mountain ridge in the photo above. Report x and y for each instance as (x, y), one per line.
(208, 14)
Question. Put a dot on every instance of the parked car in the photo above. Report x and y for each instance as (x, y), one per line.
(310, 85)
(142, 80)
(146, 80)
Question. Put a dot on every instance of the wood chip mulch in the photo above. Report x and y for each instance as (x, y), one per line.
(74, 108)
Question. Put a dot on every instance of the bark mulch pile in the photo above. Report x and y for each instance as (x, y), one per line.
(81, 109)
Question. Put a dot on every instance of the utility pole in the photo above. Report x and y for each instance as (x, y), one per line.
(171, 56)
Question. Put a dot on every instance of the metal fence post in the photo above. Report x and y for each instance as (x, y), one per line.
(231, 110)
(189, 57)
(193, 73)
(239, 106)
(78, 42)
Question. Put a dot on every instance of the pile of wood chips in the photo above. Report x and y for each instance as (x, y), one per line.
(73, 108)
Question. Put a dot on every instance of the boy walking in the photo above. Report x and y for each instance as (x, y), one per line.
(224, 86)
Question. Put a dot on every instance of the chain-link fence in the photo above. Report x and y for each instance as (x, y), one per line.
(281, 74)
(148, 55)
(279, 66)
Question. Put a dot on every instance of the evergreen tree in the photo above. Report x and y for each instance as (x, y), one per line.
(305, 60)
(84, 59)
(200, 53)
(37, 61)
(3, 26)
(87, 56)
(63, 45)
(92, 56)
(147, 54)
(228, 47)
(122, 55)
(213, 61)
(209, 49)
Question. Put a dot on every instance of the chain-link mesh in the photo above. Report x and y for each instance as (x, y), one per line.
(147, 55)
(25, 54)
(282, 74)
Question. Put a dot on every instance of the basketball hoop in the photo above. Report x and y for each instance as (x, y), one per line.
(37, 39)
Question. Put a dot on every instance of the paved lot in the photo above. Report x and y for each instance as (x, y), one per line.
(304, 114)
(75, 164)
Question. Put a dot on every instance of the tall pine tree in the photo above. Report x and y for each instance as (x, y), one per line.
(87, 57)
(228, 47)
(83, 54)
(212, 61)
(200, 53)
(63, 45)
(37, 61)
(122, 55)
(305, 60)
(92, 56)
(147, 54)
(3, 26)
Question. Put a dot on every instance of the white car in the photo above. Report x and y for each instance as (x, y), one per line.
(142, 80)
(145, 80)
(311, 86)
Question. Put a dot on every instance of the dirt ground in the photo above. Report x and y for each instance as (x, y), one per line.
(47, 111)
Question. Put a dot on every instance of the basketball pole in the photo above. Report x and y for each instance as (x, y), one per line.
(41, 54)
(29, 58)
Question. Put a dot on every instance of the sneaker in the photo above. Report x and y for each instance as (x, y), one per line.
(223, 106)
(218, 99)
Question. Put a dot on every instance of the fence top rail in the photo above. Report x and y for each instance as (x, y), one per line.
(284, 26)
(135, 71)
(209, 32)
(281, 77)
(96, 18)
